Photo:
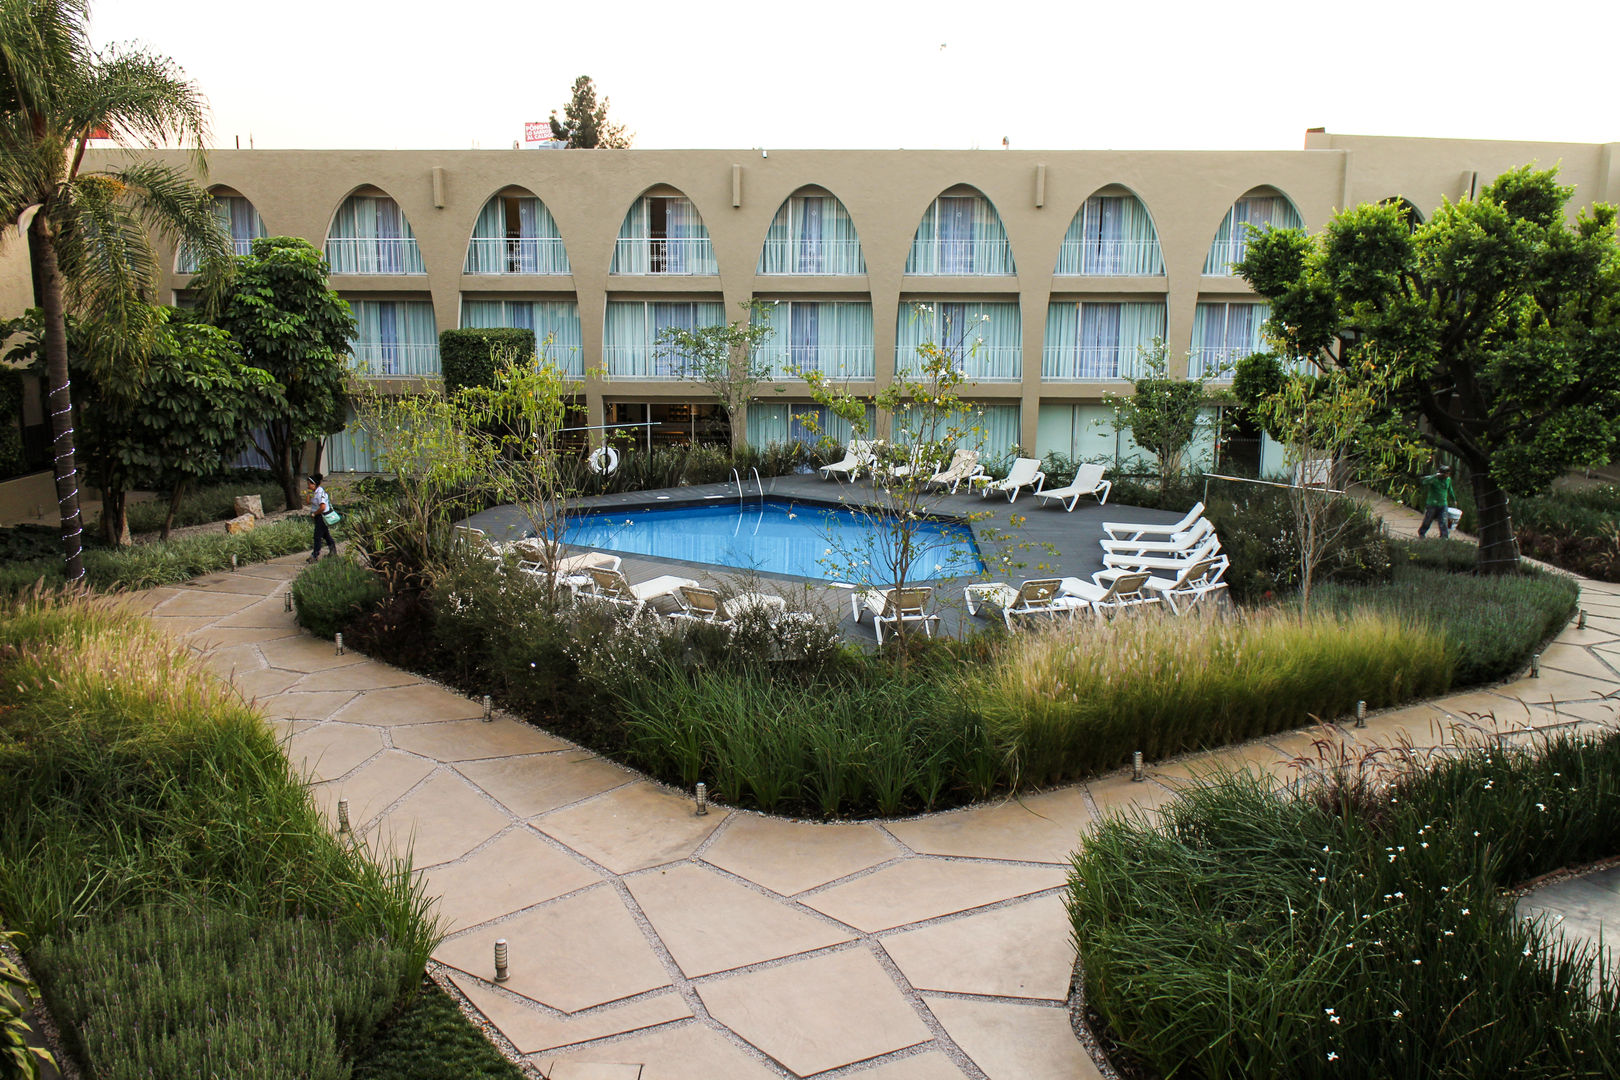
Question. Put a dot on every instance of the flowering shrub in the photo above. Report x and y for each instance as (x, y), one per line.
(1356, 930)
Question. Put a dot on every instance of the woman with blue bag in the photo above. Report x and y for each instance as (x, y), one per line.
(321, 512)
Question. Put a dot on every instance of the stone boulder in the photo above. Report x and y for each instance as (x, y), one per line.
(243, 523)
(250, 504)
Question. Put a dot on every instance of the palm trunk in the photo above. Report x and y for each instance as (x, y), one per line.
(42, 254)
(1498, 548)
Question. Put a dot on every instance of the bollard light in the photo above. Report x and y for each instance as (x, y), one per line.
(288, 597)
(233, 564)
(702, 798)
(1535, 666)
(1580, 620)
(339, 639)
(1136, 765)
(343, 816)
(500, 960)
(1361, 714)
(489, 709)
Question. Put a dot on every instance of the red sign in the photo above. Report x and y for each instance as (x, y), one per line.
(537, 131)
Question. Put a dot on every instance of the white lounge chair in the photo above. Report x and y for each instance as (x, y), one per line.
(1025, 472)
(570, 570)
(1129, 530)
(894, 607)
(611, 585)
(1178, 543)
(1124, 590)
(858, 454)
(1210, 548)
(964, 466)
(1087, 481)
(1194, 583)
(1038, 596)
(705, 605)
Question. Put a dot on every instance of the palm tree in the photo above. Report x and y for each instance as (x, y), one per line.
(89, 232)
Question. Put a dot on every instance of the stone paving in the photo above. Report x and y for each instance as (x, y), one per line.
(649, 942)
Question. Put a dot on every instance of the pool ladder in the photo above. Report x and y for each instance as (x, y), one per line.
(760, 487)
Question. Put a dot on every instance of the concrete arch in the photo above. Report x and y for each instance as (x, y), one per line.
(510, 190)
(965, 189)
(1235, 243)
(812, 190)
(1114, 188)
(665, 191)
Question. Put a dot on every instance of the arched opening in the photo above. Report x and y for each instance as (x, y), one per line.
(1409, 213)
(515, 234)
(961, 235)
(1112, 235)
(812, 234)
(1259, 209)
(663, 233)
(241, 221)
(369, 234)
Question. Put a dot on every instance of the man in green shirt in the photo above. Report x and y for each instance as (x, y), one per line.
(1438, 496)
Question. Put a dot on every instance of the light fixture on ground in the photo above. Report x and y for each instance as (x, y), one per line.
(1580, 620)
(343, 816)
(702, 796)
(338, 638)
(1361, 714)
(489, 709)
(1136, 765)
(500, 960)
(233, 563)
(287, 596)
(1535, 666)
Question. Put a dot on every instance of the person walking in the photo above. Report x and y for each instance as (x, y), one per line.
(1438, 497)
(319, 507)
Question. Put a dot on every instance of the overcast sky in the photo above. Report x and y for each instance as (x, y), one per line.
(879, 74)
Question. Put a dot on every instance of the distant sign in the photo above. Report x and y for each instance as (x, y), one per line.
(537, 131)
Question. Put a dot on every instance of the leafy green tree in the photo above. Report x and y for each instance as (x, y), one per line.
(88, 231)
(287, 322)
(1495, 327)
(183, 419)
(585, 124)
(1162, 413)
(725, 361)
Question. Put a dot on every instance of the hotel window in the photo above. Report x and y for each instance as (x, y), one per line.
(370, 235)
(960, 235)
(1223, 334)
(395, 337)
(810, 425)
(832, 337)
(1111, 236)
(812, 235)
(630, 348)
(516, 234)
(987, 340)
(242, 223)
(663, 234)
(1256, 211)
(1097, 341)
(555, 324)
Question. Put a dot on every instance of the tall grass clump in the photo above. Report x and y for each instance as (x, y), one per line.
(1357, 927)
(130, 778)
(332, 592)
(1077, 697)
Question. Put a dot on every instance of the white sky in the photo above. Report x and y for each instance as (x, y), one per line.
(1046, 74)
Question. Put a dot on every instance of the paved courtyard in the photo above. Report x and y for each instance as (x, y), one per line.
(648, 942)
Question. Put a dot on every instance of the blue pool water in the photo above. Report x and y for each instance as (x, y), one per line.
(777, 537)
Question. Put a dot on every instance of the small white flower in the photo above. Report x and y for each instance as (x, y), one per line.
(1333, 1055)
(1465, 911)
(1542, 807)
(1396, 1014)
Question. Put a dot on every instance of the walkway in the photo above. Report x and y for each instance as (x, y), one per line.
(649, 942)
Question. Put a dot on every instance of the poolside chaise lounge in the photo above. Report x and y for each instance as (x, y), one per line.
(1178, 544)
(1194, 583)
(1038, 596)
(964, 466)
(858, 454)
(893, 607)
(1130, 530)
(1025, 472)
(1207, 549)
(706, 605)
(611, 585)
(1122, 591)
(1088, 480)
(570, 570)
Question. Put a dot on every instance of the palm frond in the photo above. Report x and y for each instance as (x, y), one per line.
(106, 259)
(39, 40)
(140, 98)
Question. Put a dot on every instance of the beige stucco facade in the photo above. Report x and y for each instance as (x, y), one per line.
(738, 192)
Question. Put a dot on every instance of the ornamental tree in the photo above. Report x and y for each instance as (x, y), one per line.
(585, 124)
(287, 322)
(725, 361)
(1162, 414)
(1494, 326)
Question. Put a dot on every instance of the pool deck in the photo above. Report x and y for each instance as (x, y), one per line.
(649, 942)
(1036, 537)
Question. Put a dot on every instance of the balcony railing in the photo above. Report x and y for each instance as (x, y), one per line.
(1095, 363)
(190, 264)
(380, 359)
(688, 255)
(1110, 258)
(516, 255)
(990, 258)
(986, 363)
(640, 362)
(374, 255)
(1217, 362)
(785, 255)
(1223, 253)
(834, 361)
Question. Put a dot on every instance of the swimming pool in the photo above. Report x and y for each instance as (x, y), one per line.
(778, 537)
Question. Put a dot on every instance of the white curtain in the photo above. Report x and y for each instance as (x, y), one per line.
(555, 324)
(395, 337)
(370, 235)
(1141, 329)
(1111, 235)
(961, 235)
(1252, 212)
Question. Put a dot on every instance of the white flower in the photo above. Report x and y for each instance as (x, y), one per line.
(1333, 1055)
(1542, 807)
(1465, 911)
(1396, 1014)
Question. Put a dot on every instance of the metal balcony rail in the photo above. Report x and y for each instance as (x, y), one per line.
(1088, 363)
(374, 255)
(985, 363)
(516, 255)
(380, 358)
(990, 258)
(688, 255)
(1110, 258)
(835, 361)
(809, 257)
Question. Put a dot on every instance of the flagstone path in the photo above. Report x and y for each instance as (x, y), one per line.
(649, 942)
